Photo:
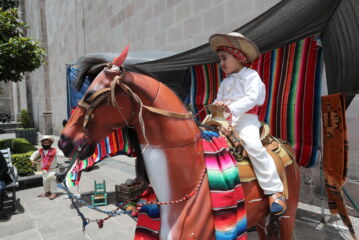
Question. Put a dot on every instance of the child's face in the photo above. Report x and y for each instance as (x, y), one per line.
(228, 63)
(46, 142)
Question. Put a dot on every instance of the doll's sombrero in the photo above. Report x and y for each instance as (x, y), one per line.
(47, 137)
(235, 40)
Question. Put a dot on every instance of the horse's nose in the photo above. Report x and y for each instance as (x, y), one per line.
(65, 144)
(62, 142)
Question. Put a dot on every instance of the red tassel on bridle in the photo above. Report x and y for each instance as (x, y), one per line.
(121, 59)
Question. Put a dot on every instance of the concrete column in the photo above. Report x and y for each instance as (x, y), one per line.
(14, 95)
(46, 123)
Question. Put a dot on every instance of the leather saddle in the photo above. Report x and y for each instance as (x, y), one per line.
(280, 150)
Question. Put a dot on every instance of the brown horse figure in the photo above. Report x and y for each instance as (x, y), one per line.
(172, 151)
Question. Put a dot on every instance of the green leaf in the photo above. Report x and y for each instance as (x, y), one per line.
(19, 54)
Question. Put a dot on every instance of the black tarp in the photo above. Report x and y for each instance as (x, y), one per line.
(341, 49)
(89, 66)
(335, 21)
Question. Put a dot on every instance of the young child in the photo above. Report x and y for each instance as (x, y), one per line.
(241, 92)
(48, 156)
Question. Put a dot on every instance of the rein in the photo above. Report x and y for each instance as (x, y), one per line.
(85, 221)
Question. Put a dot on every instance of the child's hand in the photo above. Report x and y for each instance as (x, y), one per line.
(33, 162)
(223, 104)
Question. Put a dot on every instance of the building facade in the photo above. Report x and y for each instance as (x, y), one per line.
(69, 29)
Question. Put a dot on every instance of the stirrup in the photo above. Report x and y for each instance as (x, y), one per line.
(277, 204)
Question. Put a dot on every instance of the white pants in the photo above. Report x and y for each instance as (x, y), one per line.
(247, 127)
(49, 180)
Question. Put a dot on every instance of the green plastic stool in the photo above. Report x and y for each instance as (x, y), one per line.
(99, 198)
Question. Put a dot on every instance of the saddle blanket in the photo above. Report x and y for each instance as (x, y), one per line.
(227, 196)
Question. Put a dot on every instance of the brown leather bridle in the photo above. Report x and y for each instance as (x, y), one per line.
(99, 96)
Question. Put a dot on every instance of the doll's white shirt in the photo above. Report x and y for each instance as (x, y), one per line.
(242, 91)
(36, 155)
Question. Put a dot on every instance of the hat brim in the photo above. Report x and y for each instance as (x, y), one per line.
(51, 139)
(241, 43)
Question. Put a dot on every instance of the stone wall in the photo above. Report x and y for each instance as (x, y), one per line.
(69, 29)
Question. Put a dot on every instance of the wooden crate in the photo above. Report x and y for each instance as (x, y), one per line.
(129, 192)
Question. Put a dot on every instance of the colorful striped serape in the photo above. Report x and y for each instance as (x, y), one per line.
(149, 220)
(292, 75)
(227, 196)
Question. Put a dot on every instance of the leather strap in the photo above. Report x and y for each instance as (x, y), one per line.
(168, 113)
(98, 93)
(231, 135)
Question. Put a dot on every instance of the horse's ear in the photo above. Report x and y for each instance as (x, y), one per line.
(121, 59)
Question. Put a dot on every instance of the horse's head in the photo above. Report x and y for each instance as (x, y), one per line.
(95, 117)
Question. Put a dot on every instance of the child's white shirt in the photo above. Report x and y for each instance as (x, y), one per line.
(242, 91)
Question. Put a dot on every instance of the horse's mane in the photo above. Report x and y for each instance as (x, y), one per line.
(92, 64)
(135, 147)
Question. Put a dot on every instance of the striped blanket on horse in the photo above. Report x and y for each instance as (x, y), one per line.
(229, 213)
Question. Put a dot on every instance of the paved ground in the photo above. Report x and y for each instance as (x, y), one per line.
(57, 219)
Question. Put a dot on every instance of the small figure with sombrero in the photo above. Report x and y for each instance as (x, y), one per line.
(48, 156)
(241, 92)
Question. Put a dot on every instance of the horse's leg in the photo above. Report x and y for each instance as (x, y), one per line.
(256, 207)
(197, 216)
(287, 227)
(287, 221)
(261, 230)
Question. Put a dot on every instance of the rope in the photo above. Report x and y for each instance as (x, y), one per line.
(199, 112)
(185, 198)
(86, 221)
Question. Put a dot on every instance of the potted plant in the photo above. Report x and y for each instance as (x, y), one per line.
(27, 131)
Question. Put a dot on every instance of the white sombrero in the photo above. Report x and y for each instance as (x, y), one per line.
(47, 137)
(235, 40)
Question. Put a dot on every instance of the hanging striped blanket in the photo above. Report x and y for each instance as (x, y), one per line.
(229, 213)
(292, 76)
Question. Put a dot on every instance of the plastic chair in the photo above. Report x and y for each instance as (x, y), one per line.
(100, 196)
